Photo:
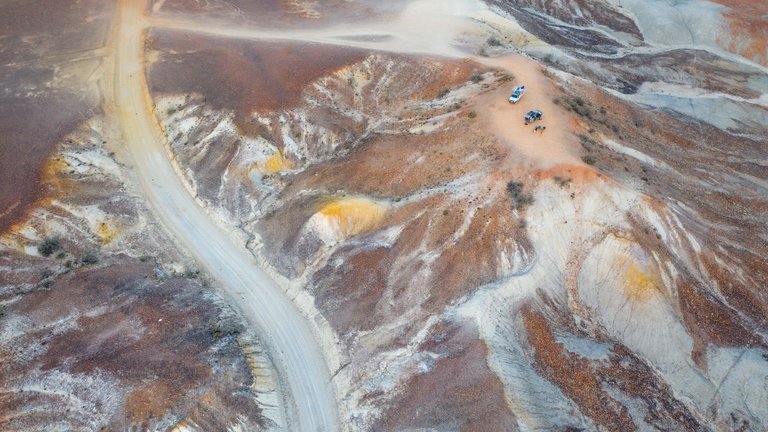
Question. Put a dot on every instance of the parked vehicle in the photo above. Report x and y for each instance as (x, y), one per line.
(532, 116)
(517, 93)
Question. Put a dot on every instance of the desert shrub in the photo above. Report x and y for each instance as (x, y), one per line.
(561, 181)
(589, 159)
(580, 107)
(493, 41)
(472, 114)
(587, 143)
(49, 246)
(89, 258)
(582, 111)
(443, 93)
(519, 198)
(476, 78)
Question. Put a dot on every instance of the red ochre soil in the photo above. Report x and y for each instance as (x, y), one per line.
(748, 21)
(367, 281)
(585, 381)
(459, 393)
(276, 13)
(33, 116)
(116, 322)
(30, 131)
(116, 344)
(241, 75)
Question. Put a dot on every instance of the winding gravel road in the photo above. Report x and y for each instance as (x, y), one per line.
(300, 364)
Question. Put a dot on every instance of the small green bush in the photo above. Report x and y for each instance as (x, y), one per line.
(519, 198)
(493, 41)
(89, 258)
(49, 246)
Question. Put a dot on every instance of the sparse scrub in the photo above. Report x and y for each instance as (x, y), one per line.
(507, 78)
(587, 143)
(562, 181)
(443, 93)
(589, 159)
(191, 274)
(216, 332)
(494, 42)
(472, 114)
(520, 199)
(476, 78)
(89, 258)
(49, 246)
(580, 107)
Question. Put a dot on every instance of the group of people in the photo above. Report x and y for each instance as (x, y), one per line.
(539, 129)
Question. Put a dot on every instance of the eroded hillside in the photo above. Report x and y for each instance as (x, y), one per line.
(105, 324)
(461, 270)
(606, 270)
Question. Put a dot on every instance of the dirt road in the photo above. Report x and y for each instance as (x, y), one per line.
(310, 403)
(298, 358)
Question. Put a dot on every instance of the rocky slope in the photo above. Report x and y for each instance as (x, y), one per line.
(462, 272)
(614, 27)
(45, 70)
(464, 277)
(105, 325)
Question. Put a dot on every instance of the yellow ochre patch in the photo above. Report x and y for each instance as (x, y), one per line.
(346, 217)
(640, 285)
(275, 164)
(106, 232)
